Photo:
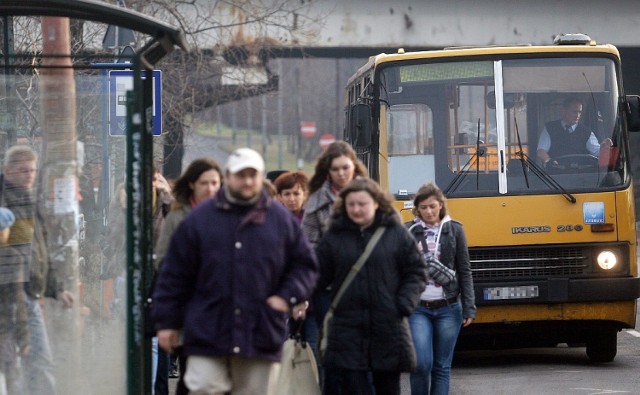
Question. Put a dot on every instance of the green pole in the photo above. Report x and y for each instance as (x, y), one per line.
(139, 236)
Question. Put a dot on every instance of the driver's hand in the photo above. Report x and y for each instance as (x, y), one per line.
(606, 143)
(551, 163)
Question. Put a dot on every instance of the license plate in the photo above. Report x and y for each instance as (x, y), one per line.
(500, 293)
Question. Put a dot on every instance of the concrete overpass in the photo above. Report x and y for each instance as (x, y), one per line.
(436, 23)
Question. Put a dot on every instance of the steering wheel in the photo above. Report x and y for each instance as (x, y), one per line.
(575, 163)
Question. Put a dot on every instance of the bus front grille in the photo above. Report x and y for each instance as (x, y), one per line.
(530, 262)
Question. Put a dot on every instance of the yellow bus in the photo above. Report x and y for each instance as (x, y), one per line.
(552, 248)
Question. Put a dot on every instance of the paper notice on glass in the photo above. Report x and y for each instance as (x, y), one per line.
(64, 200)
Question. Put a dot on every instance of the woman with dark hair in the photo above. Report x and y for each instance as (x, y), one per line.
(336, 167)
(368, 337)
(292, 189)
(447, 302)
(199, 182)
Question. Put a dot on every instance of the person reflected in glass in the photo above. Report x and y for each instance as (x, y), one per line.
(444, 308)
(27, 237)
(14, 327)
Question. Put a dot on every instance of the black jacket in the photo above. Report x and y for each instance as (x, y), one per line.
(370, 329)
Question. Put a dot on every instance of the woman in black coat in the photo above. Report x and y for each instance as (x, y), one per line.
(369, 332)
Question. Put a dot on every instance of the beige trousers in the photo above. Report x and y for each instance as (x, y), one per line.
(242, 376)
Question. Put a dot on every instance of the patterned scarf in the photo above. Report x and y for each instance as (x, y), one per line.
(431, 235)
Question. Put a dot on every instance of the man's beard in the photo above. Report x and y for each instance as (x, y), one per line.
(237, 196)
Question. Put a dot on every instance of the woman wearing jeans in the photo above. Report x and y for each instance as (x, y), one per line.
(444, 307)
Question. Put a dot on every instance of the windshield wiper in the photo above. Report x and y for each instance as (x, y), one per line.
(474, 159)
(537, 170)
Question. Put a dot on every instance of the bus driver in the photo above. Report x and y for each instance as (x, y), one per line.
(566, 136)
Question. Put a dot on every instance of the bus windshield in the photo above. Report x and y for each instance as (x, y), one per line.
(476, 127)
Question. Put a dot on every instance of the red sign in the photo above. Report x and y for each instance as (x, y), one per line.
(308, 129)
(326, 140)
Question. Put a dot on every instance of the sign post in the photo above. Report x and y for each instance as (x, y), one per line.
(326, 140)
(121, 81)
(307, 129)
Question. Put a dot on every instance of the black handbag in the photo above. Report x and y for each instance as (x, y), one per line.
(438, 271)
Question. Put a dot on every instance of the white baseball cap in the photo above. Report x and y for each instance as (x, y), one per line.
(244, 158)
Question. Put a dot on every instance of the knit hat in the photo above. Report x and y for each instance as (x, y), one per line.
(6, 218)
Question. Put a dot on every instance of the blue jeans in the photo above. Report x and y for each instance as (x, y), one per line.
(434, 333)
(38, 364)
(159, 369)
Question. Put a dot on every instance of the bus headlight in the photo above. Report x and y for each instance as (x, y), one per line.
(607, 260)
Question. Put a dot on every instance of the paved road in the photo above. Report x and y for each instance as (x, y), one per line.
(198, 146)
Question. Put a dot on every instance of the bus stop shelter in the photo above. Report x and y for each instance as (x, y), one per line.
(58, 100)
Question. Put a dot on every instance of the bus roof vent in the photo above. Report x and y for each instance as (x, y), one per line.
(573, 39)
(400, 50)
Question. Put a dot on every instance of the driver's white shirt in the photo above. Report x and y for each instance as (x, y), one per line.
(592, 146)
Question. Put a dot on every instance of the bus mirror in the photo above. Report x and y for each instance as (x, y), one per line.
(633, 113)
(360, 125)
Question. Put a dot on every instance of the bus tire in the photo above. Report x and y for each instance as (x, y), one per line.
(603, 345)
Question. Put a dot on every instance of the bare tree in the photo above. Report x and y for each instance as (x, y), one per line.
(232, 42)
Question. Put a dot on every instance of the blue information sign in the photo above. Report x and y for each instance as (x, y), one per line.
(121, 81)
(593, 212)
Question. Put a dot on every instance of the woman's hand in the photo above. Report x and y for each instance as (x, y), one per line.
(277, 303)
(467, 321)
(299, 311)
(168, 339)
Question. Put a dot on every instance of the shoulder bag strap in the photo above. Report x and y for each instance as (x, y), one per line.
(358, 265)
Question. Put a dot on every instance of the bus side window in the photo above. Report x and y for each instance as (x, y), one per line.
(410, 129)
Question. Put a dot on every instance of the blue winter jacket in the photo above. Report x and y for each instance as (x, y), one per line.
(223, 262)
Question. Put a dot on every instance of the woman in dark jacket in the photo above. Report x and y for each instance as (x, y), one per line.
(369, 332)
(199, 182)
(447, 302)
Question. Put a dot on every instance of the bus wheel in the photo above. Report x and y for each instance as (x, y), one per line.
(602, 346)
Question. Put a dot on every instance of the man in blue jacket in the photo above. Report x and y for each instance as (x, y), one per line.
(234, 268)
